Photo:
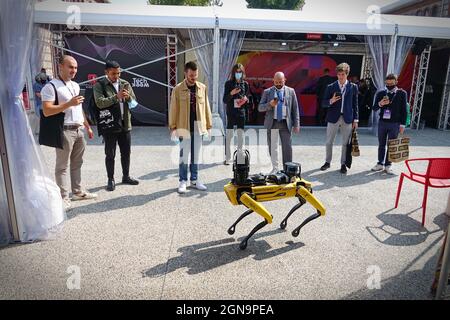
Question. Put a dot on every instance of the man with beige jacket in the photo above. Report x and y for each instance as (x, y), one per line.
(189, 120)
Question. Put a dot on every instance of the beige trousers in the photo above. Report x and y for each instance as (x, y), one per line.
(72, 152)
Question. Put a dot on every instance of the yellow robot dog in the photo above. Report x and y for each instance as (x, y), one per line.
(251, 190)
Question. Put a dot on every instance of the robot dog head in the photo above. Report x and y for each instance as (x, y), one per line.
(241, 167)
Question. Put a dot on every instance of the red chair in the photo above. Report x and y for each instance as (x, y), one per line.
(437, 175)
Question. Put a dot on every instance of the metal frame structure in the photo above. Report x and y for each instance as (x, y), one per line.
(172, 79)
(418, 86)
(130, 68)
(8, 183)
(444, 114)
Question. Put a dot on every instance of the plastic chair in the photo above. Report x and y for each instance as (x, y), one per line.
(437, 175)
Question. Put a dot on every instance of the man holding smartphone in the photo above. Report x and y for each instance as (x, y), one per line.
(282, 118)
(392, 103)
(116, 93)
(341, 99)
(61, 99)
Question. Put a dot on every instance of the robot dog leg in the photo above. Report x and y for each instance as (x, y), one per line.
(254, 206)
(232, 229)
(283, 223)
(250, 191)
(306, 195)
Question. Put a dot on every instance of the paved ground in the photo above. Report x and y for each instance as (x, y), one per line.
(147, 242)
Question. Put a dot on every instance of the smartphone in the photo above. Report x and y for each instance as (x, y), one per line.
(338, 94)
(82, 93)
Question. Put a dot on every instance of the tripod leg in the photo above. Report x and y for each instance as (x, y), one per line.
(232, 229)
(296, 231)
(243, 243)
(283, 223)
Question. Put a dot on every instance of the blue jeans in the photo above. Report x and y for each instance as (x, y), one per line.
(386, 130)
(189, 147)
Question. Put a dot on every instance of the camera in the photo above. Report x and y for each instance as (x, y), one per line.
(292, 169)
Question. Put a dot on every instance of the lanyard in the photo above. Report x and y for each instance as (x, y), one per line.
(72, 93)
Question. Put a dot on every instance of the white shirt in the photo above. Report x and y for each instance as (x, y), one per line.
(66, 91)
(116, 86)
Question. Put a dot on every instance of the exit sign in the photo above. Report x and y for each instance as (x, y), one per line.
(313, 36)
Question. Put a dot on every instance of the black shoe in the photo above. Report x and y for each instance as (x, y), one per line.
(325, 166)
(129, 180)
(111, 185)
(343, 169)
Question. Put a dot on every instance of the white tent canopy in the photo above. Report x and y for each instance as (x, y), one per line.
(185, 17)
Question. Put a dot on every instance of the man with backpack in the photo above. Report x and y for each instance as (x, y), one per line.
(113, 98)
(62, 121)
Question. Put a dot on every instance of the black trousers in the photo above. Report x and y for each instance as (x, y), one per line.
(111, 141)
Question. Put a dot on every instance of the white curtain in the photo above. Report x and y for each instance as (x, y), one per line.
(37, 199)
(379, 47)
(230, 46)
(204, 54)
(403, 45)
(41, 38)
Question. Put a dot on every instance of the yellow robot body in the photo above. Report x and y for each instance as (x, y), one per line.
(250, 191)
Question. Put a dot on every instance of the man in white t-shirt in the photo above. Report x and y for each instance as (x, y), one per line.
(68, 101)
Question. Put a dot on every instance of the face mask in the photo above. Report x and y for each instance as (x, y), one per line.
(238, 75)
(390, 88)
(133, 104)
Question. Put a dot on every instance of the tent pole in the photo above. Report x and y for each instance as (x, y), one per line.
(8, 183)
(392, 52)
(217, 120)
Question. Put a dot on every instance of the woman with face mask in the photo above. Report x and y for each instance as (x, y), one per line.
(235, 97)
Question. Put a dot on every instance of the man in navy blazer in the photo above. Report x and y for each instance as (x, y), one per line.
(341, 98)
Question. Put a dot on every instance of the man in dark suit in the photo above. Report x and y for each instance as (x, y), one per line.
(321, 87)
(280, 104)
(341, 98)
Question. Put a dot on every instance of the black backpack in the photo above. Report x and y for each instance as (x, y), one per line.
(51, 131)
(106, 118)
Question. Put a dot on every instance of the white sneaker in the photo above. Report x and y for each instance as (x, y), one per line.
(67, 204)
(378, 167)
(388, 170)
(84, 196)
(198, 185)
(182, 187)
